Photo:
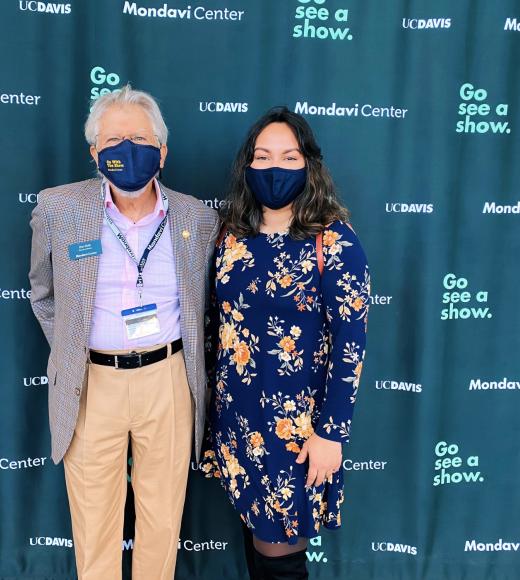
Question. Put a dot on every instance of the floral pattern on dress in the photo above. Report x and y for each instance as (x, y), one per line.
(232, 471)
(322, 511)
(354, 358)
(253, 285)
(333, 246)
(294, 277)
(340, 429)
(355, 299)
(320, 355)
(223, 398)
(276, 240)
(291, 345)
(254, 442)
(236, 341)
(278, 503)
(292, 421)
(235, 251)
(286, 350)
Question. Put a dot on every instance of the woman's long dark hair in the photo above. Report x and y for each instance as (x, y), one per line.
(316, 207)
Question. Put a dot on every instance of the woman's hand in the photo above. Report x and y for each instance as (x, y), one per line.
(324, 459)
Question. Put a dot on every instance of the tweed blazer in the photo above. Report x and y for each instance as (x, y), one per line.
(63, 292)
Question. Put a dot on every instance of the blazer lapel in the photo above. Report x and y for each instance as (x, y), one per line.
(89, 223)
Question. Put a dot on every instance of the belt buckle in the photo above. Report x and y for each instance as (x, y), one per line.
(140, 357)
(116, 362)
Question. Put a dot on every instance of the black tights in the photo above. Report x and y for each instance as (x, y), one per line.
(276, 550)
(268, 549)
(251, 543)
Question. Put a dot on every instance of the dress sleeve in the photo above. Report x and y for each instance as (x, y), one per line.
(345, 292)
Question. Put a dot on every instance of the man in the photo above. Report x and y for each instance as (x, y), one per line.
(119, 277)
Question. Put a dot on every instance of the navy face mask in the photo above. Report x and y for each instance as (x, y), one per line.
(129, 166)
(276, 187)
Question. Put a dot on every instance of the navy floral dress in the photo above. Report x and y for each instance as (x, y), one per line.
(291, 343)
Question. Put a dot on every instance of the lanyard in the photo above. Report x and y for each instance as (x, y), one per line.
(151, 244)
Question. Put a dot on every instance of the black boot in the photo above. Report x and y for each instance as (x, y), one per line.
(289, 567)
(249, 551)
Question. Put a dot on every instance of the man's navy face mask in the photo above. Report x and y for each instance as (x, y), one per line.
(276, 187)
(129, 166)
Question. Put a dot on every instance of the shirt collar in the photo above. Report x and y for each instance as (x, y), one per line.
(159, 209)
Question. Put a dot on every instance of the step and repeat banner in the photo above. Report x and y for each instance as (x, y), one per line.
(416, 106)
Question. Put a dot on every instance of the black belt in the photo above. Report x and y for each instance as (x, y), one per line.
(134, 360)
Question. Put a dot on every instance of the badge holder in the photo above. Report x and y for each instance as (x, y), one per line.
(141, 321)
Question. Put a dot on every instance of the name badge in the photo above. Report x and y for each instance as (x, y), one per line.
(141, 321)
(85, 249)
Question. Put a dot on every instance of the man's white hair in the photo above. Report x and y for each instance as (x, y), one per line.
(126, 96)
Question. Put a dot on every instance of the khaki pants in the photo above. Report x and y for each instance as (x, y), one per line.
(152, 405)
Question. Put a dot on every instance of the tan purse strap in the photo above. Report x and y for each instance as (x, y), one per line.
(319, 248)
(319, 252)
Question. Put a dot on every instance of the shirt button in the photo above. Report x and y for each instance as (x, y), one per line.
(78, 391)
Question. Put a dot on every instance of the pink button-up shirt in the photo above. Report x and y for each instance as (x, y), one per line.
(117, 276)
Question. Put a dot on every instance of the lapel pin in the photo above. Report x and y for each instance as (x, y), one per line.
(185, 234)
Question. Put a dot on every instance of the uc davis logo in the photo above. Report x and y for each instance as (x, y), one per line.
(35, 381)
(49, 541)
(48, 7)
(103, 82)
(221, 107)
(399, 386)
(28, 198)
(317, 21)
(426, 23)
(396, 207)
(394, 547)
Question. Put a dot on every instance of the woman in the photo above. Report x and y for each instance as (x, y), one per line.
(291, 302)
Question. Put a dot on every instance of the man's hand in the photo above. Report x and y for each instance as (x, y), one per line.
(324, 459)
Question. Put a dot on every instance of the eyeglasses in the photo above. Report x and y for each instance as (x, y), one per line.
(138, 139)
